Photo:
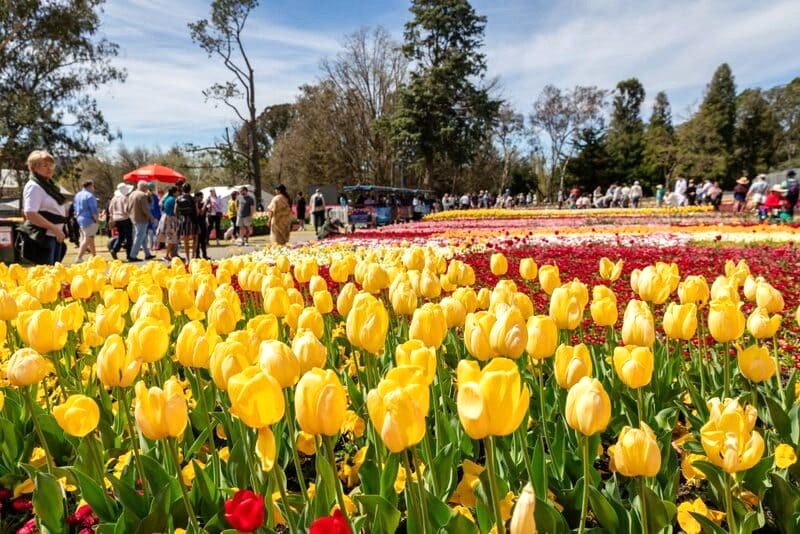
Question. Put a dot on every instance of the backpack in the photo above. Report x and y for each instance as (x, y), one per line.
(185, 205)
(318, 202)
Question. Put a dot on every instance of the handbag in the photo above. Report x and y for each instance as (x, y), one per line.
(32, 250)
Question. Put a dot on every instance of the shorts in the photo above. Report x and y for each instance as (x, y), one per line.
(243, 222)
(89, 231)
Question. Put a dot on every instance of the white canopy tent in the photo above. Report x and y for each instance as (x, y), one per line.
(224, 192)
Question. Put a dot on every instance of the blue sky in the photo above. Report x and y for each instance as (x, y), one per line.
(669, 45)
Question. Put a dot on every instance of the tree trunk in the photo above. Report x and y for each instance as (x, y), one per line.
(255, 160)
(428, 170)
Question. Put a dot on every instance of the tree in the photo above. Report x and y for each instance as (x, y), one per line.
(626, 133)
(51, 60)
(561, 115)
(592, 164)
(222, 36)
(785, 103)
(510, 126)
(719, 110)
(366, 75)
(757, 133)
(659, 154)
(443, 112)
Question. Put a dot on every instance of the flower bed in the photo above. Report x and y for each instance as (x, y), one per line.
(445, 375)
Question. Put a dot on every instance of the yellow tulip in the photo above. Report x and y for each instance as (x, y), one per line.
(70, 315)
(428, 325)
(750, 285)
(223, 315)
(161, 413)
(340, 270)
(542, 336)
(528, 269)
(277, 360)
(687, 521)
(739, 271)
(81, 287)
(414, 259)
(194, 345)
(509, 335)
(756, 364)
(266, 450)
(523, 522)
(491, 401)
(571, 364)
(467, 297)
(455, 313)
(204, 297)
(78, 416)
(483, 297)
(180, 293)
(323, 301)
(588, 408)
(367, 323)
(477, 330)
(108, 320)
(604, 306)
(276, 301)
(311, 319)
(256, 398)
(375, 278)
(228, 358)
(761, 325)
(680, 321)
(609, 270)
(42, 330)
(429, 286)
(8, 306)
(25, 367)
(726, 321)
(292, 315)
(283, 264)
(498, 264)
(785, 456)
(768, 297)
(46, 289)
(460, 274)
(309, 350)
(634, 365)
(728, 437)
(652, 287)
(565, 309)
(317, 283)
(264, 327)
(523, 303)
(403, 298)
(148, 340)
(397, 408)
(637, 324)
(304, 269)
(724, 288)
(636, 453)
(549, 278)
(688, 470)
(415, 353)
(115, 365)
(320, 402)
(344, 302)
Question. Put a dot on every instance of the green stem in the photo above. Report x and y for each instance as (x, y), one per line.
(640, 405)
(97, 457)
(28, 396)
(420, 488)
(543, 414)
(339, 493)
(418, 505)
(585, 495)
(411, 505)
(172, 445)
(493, 491)
(730, 517)
(643, 504)
(134, 439)
(523, 439)
(290, 422)
(217, 474)
(284, 499)
(778, 382)
(426, 444)
(700, 368)
(726, 388)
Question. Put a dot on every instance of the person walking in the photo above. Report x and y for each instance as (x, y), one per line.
(245, 205)
(86, 213)
(168, 225)
(155, 211)
(201, 244)
(232, 215)
(214, 210)
(118, 209)
(139, 210)
(635, 194)
(186, 209)
(317, 202)
(300, 209)
(279, 213)
(45, 215)
(740, 194)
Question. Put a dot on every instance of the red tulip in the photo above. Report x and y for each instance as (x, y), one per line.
(245, 511)
(333, 524)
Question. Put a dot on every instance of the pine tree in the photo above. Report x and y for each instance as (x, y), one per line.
(719, 109)
(757, 133)
(659, 144)
(626, 132)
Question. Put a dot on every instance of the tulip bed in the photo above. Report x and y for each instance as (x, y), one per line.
(462, 375)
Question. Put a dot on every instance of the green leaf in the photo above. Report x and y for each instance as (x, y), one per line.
(548, 518)
(438, 511)
(157, 477)
(96, 496)
(384, 517)
(539, 469)
(657, 514)
(445, 469)
(370, 477)
(389, 475)
(459, 524)
(157, 519)
(48, 502)
(131, 500)
(708, 525)
(603, 510)
(780, 420)
(714, 475)
(783, 496)
(558, 450)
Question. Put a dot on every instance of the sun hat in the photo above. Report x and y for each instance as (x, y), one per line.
(124, 189)
(777, 189)
(743, 180)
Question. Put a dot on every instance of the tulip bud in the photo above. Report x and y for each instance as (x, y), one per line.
(414, 259)
(565, 309)
(542, 337)
(311, 319)
(375, 278)
(652, 287)
(768, 297)
(498, 264)
(750, 285)
(724, 288)
(317, 283)
(8, 306)
(604, 306)
(309, 350)
(344, 301)
(115, 365)
(367, 323)
(275, 301)
(223, 315)
(738, 271)
(637, 324)
(481, 410)
(70, 315)
(549, 278)
(403, 299)
(528, 269)
(523, 521)
(161, 413)
(588, 408)
(414, 353)
(304, 269)
(571, 364)
(634, 365)
(320, 402)
(194, 345)
(148, 340)
(509, 335)
(78, 416)
(277, 360)
(467, 297)
(477, 329)
(484, 295)
(323, 301)
(26, 367)
(397, 408)
(680, 321)
(761, 325)
(81, 287)
(636, 453)
(42, 330)
(694, 290)
(428, 325)
(454, 312)
(181, 295)
(756, 364)
(726, 321)
(609, 270)
(256, 398)
(264, 327)
(229, 357)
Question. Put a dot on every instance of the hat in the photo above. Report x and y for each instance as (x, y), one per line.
(659, 186)
(281, 188)
(151, 185)
(761, 177)
(636, 182)
(777, 189)
(124, 189)
(743, 180)
(790, 173)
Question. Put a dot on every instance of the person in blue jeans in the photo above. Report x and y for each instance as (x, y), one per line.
(155, 211)
(85, 205)
(140, 215)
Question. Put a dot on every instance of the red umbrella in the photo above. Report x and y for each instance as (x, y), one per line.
(154, 172)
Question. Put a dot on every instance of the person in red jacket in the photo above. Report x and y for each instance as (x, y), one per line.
(776, 204)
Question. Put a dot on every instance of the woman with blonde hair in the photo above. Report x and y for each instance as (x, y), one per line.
(43, 205)
(279, 212)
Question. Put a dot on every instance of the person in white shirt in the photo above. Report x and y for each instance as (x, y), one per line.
(43, 205)
(214, 211)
